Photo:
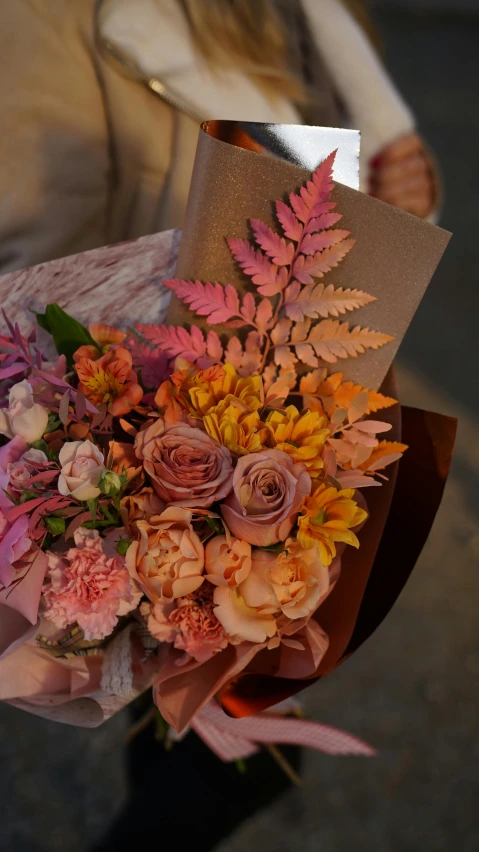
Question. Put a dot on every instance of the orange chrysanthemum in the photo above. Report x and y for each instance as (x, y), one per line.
(327, 516)
(109, 382)
(302, 436)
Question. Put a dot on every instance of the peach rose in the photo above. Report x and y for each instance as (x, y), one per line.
(139, 507)
(299, 579)
(227, 561)
(186, 466)
(82, 467)
(268, 489)
(248, 612)
(167, 560)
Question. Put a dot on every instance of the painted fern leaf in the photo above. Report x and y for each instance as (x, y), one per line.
(332, 339)
(269, 279)
(177, 342)
(276, 247)
(220, 305)
(306, 268)
(320, 300)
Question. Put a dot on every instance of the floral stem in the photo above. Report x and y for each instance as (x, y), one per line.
(284, 764)
(141, 725)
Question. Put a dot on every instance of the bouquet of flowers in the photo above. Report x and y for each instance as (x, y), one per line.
(176, 504)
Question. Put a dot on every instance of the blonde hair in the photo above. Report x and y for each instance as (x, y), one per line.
(244, 34)
(250, 35)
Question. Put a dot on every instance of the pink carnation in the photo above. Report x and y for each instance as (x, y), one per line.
(88, 587)
(189, 623)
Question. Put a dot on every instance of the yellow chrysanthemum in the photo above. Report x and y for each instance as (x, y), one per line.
(228, 387)
(237, 428)
(302, 436)
(328, 516)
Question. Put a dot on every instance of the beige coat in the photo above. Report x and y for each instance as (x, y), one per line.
(89, 155)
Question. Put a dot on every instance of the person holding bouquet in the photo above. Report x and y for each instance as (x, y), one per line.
(101, 103)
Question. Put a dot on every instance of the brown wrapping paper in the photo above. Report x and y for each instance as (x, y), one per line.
(394, 258)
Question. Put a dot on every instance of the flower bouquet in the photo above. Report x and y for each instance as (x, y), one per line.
(211, 505)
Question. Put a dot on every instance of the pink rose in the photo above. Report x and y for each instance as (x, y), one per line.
(168, 558)
(298, 578)
(268, 489)
(188, 623)
(227, 561)
(186, 466)
(82, 467)
(88, 587)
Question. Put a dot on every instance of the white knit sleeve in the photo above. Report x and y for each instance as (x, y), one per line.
(372, 101)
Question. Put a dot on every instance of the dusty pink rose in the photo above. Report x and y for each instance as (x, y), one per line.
(189, 624)
(82, 467)
(185, 465)
(268, 488)
(88, 587)
(227, 561)
(298, 578)
(248, 612)
(168, 558)
(21, 472)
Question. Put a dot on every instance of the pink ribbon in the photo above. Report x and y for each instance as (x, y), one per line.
(233, 739)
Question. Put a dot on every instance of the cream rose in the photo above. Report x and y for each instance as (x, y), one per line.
(168, 558)
(23, 417)
(82, 467)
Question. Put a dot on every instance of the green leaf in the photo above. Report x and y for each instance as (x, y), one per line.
(93, 506)
(68, 334)
(215, 524)
(55, 525)
(123, 546)
(274, 548)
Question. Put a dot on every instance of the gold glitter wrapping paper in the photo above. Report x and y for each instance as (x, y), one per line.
(394, 258)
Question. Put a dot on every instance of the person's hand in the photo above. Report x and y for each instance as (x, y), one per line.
(403, 175)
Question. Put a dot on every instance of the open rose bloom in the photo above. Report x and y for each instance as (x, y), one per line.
(189, 506)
